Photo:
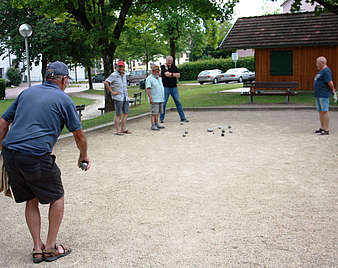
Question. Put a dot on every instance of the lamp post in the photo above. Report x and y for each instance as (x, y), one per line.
(26, 31)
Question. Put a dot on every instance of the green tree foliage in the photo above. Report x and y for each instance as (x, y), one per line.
(50, 41)
(14, 76)
(179, 19)
(140, 40)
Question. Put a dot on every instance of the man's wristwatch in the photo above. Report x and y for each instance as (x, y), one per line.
(172, 74)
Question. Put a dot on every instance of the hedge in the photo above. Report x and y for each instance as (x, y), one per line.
(14, 76)
(2, 88)
(189, 71)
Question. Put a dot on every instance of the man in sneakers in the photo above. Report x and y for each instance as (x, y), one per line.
(155, 92)
(323, 90)
(169, 74)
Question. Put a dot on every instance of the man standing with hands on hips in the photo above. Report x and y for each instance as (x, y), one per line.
(323, 90)
(169, 74)
(37, 117)
(116, 83)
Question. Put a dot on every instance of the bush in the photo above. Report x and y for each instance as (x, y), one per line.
(14, 76)
(189, 71)
(2, 88)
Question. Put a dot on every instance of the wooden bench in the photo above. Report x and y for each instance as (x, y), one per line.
(270, 89)
(101, 109)
(136, 98)
(79, 109)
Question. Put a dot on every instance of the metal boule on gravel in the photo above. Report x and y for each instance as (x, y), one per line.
(182, 123)
(230, 131)
(222, 134)
(229, 127)
(184, 135)
(219, 127)
(186, 131)
(210, 130)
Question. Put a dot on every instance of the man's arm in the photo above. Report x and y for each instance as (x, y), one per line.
(331, 85)
(107, 85)
(4, 125)
(81, 143)
(149, 95)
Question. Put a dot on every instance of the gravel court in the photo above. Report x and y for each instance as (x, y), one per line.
(263, 196)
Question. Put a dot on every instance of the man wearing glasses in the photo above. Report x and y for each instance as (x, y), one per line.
(155, 92)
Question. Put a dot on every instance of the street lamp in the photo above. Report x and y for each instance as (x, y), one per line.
(26, 31)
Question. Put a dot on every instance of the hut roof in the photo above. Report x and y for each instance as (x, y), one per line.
(283, 30)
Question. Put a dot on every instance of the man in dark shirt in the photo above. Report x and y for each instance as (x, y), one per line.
(323, 90)
(169, 74)
(37, 117)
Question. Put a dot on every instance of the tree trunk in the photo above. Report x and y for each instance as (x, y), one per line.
(89, 71)
(44, 68)
(108, 69)
(172, 48)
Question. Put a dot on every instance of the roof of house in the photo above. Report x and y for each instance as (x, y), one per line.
(283, 30)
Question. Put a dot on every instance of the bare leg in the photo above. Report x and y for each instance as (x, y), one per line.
(55, 218)
(152, 119)
(324, 120)
(33, 220)
(124, 122)
(156, 118)
(117, 123)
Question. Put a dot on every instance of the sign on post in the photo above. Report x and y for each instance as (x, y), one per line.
(234, 57)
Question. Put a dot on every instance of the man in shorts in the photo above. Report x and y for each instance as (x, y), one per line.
(155, 92)
(116, 83)
(37, 117)
(323, 90)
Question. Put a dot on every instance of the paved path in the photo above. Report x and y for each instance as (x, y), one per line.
(73, 90)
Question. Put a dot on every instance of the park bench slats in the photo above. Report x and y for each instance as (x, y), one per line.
(280, 88)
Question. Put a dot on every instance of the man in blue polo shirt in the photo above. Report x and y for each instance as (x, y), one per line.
(155, 92)
(37, 117)
(323, 90)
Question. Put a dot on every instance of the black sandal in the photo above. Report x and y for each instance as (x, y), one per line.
(318, 131)
(38, 255)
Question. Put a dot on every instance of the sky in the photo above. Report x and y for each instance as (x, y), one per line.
(247, 8)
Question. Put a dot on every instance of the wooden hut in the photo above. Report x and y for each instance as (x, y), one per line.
(287, 45)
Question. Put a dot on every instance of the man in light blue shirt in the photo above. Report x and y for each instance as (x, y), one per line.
(116, 83)
(155, 92)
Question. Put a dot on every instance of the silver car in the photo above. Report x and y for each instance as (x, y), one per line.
(208, 76)
(236, 74)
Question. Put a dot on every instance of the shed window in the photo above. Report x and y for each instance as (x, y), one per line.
(281, 62)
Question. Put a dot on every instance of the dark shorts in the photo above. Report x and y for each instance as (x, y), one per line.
(121, 107)
(33, 176)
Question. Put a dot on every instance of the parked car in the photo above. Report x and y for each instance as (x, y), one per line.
(236, 74)
(208, 76)
(98, 78)
(134, 77)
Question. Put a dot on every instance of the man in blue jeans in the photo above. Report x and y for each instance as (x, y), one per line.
(323, 90)
(169, 74)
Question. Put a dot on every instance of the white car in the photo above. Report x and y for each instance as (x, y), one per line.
(236, 74)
